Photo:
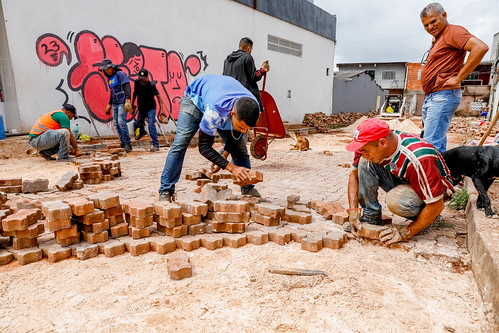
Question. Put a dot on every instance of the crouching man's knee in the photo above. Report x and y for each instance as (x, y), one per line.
(404, 201)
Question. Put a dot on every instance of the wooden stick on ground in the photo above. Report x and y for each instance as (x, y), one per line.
(295, 271)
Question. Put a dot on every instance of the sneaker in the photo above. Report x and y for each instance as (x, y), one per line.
(155, 148)
(128, 148)
(252, 191)
(46, 156)
(373, 221)
(166, 196)
(66, 159)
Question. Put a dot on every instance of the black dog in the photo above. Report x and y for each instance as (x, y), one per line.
(481, 164)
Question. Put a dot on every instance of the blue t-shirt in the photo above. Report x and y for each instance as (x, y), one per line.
(215, 96)
(115, 82)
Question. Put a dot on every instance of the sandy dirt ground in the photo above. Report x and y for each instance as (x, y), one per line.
(428, 287)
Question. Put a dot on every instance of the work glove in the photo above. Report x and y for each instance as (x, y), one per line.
(265, 65)
(354, 220)
(393, 234)
(129, 108)
(108, 109)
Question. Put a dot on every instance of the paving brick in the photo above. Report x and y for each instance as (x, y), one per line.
(219, 187)
(137, 233)
(370, 231)
(89, 168)
(163, 244)
(114, 220)
(270, 210)
(77, 184)
(5, 257)
(96, 216)
(189, 219)
(92, 238)
(112, 248)
(292, 199)
(170, 222)
(139, 208)
(3, 197)
(280, 237)
(11, 181)
(80, 206)
(84, 251)
(312, 243)
(28, 256)
(174, 232)
(56, 210)
(167, 210)
(119, 230)
(105, 200)
(193, 175)
(297, 217)
(141, 222)
(197, 229)
(54, 225)
(179, 266)
(35, 185)
(113, 211)
(211, 242)
(194, 208)
(335, 239)
(340, 217)
(21, 220)
(55, 252)
(66, 181)
(228, 227)
(257, 237)
(11, 189)
(328, 209)
(317, 205)
(265, 220)
(188, 243)
(202, 182)
(255, 177)
(231, 206)
(97, 175)
(66, 233)
(235, 241)
(96, 227)
(92, 181)
(301, 208)
(32, 232)
(235, 217)
(23, 243)
(136, 246)
(296, 234)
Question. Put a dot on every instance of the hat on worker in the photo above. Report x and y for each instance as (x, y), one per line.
(369, 130)
(70, 108)
(106, 63)
(143, 74)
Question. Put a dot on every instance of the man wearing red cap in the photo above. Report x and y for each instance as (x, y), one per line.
(409, 169)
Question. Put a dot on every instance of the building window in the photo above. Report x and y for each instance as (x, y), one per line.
(388, 75)
(473, 76)
(284, 46)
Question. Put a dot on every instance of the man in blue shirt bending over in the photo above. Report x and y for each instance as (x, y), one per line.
(210, 103)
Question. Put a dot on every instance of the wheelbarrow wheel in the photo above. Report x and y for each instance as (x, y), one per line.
(258, 147)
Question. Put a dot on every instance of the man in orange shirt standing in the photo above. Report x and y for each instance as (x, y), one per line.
(444, 71)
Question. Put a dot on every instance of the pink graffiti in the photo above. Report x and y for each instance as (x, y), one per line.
(50, 49)
(168, 69)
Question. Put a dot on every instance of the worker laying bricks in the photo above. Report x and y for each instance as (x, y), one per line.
(52, 134)
(409, 169)
(209, 103)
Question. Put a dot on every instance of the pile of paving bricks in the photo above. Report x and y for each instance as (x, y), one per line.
(100, 223)
(205, 177)
(98, 171)
(324, 122)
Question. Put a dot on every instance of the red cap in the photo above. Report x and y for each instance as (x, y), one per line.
(369, 130)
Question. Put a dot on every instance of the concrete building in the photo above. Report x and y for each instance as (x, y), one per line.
(48, 54)
(494, 81)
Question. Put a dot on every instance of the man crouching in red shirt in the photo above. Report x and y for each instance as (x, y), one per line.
(409, 169)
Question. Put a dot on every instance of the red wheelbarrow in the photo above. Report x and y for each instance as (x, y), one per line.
(269, 124)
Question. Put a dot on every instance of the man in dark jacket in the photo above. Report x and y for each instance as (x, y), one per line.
(241, 66)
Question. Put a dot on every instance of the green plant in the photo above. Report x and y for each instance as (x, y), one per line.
(459, 199)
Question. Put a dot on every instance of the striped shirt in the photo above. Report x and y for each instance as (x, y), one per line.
(419, 163)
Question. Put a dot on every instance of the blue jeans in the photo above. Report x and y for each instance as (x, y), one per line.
(188, 121)
(119, 118)
(372, 176)
(438, 109)
(51, 142)
(151, 125)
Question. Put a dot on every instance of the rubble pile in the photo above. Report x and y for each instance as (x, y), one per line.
(325, 122)
(471, 125)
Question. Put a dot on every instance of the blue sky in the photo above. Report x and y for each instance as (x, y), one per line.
(391, 30)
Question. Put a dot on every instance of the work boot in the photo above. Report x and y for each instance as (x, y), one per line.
(128, 148)
(122, 144)
(252, 191)
(154, 148)
(46, 156)
(373, 221)
(166, 196)
(66, 159)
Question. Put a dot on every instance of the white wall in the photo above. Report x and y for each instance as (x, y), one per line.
(185, 26)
